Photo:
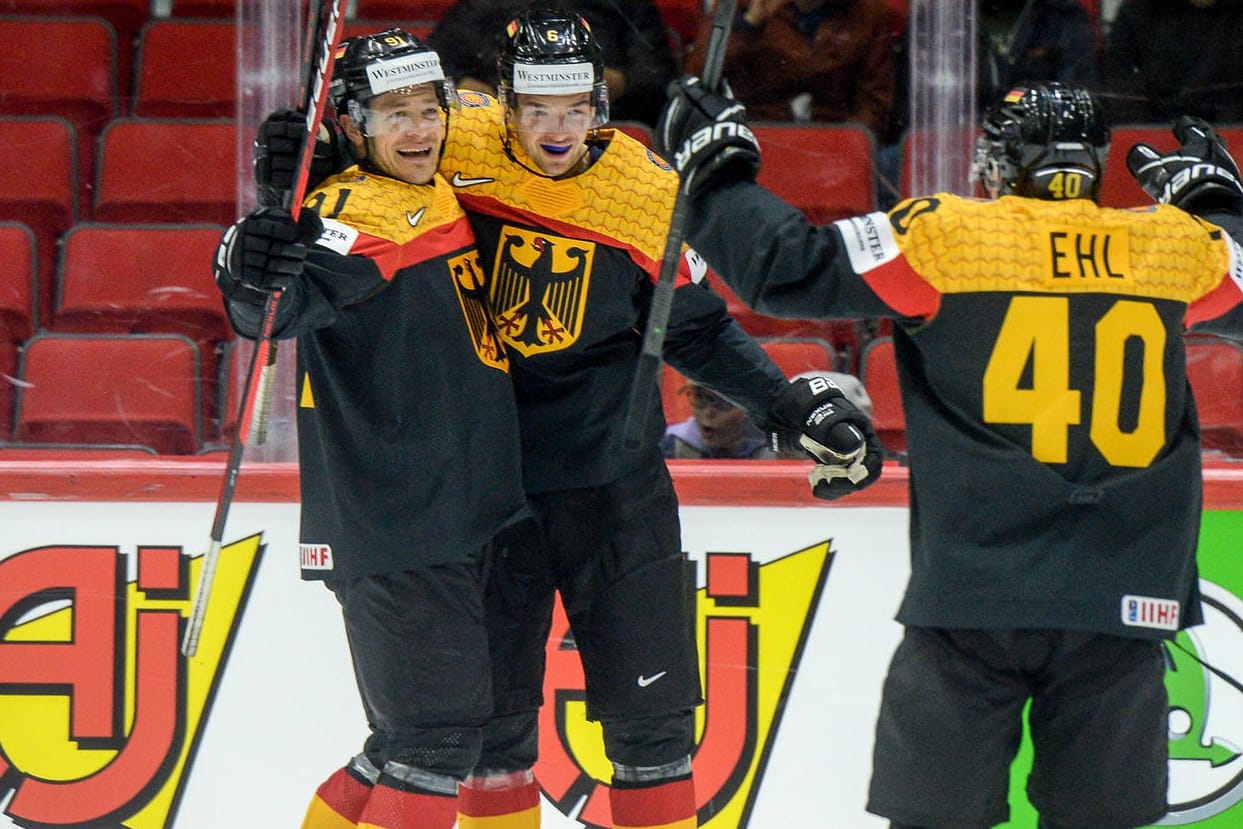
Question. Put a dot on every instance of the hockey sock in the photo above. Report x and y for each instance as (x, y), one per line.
(339, 800)
(410, 798)
(666, 805)
(499, 801)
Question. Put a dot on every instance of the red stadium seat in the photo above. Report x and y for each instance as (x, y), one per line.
(879, 373)
(18, 288)
(124, 389)
(797, 355)
(419, 28)
(126, 17)
(167, 170)
(187, 69)
(825, 170)
(1118, 186)
(682, 17)
(41, 190)
(635, 129)
(70, 72)
(402, 9)
(672, 397)
(1215, 370)
(146, 279)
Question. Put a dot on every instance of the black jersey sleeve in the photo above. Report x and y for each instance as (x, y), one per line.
(775, 260)
(709, 346)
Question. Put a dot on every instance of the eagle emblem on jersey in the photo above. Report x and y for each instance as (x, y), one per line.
(539, 289)
(472, 293)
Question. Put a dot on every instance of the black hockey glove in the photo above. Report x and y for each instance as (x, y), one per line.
(833, 431)
(276, 154)
(1199, 176)
(263, 252)
(705, 135)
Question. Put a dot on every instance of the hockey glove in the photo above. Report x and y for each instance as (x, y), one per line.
(705, 135)
(263, 252)
(276, 154)
(1199, 176)
(833, 431)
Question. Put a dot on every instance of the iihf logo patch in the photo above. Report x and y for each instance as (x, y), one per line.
(470, 98)
(658, 161)
(315, 556)
(1147, 612)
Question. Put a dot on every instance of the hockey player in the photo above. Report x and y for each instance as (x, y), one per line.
(571, 220)
(1053, 442)
(407, 429)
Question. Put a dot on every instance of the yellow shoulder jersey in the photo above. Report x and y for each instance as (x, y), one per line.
(625, 199)
(378, 217)
(945, 244)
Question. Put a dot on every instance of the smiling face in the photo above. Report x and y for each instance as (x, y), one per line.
(399, 132)
(552, 130)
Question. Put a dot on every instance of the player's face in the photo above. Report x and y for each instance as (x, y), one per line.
(552, 130)
(404, 132)
(722, 425)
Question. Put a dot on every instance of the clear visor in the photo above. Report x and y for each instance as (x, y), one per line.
(398, 114)
(542, 117)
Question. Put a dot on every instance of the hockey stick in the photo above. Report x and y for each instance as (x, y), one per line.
(651, 357)
(316, 23)
(323, 35)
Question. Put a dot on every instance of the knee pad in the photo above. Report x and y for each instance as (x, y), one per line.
(510, 744)
(444, 752)
(650, 742)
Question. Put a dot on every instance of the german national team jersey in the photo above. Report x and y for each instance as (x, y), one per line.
(407, 427)
(1052, 437)
(571, 265)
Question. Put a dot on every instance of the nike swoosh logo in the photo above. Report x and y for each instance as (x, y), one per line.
(461, 181)
(645, 681)
(413, 218)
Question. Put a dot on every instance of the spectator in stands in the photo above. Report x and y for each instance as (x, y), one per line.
(809, 60)
(1026, 40)
(716, 429)
(1165, 58)
(638, 61)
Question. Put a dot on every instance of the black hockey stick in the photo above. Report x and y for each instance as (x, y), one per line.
(323, 35)
(651, 358)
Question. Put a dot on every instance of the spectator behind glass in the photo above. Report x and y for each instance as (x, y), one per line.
(1034, 40)
(809, 60)
(716, 429)
(637, 59)
(1165, 58)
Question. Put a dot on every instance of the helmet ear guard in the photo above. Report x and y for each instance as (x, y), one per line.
(1046, 141)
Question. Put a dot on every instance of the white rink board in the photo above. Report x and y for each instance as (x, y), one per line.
(286, 713)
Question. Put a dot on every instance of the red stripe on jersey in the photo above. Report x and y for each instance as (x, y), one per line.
(903, 290)
(571, 230)
(1216, 302)
(391, 257)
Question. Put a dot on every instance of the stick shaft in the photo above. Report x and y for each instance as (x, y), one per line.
(643, 385)
(323, 35)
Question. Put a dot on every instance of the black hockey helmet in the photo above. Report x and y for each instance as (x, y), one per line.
(1044, 140)
(389, 61)
(551, 52)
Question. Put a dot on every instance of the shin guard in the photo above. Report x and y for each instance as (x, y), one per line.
(340, 799)
(499, 801)
(665, 805)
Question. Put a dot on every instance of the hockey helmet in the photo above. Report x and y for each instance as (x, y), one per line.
(389, 61)
(551, 52)
(1043, 140)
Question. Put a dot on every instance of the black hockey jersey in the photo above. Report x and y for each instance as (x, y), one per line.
(572, 263)
(407, 428)
(1052, 436)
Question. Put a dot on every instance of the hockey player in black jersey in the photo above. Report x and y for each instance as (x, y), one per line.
(407, 429)
(1055, 479)
(571, 220)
